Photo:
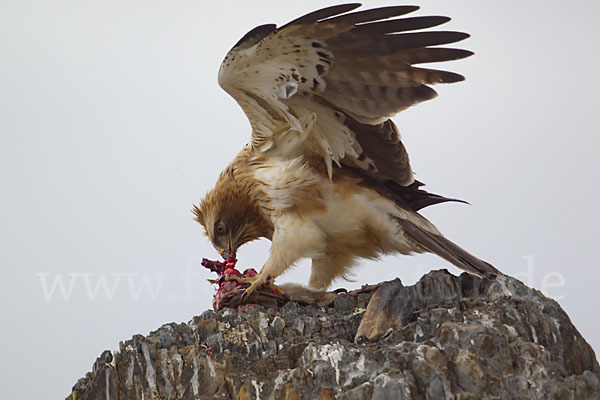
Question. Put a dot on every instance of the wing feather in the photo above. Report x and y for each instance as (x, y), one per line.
(375, 29)
(323, 13)
(328, 82)
(429, 55)
(384, 156)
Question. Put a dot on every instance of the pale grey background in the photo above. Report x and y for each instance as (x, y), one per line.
(112, 124)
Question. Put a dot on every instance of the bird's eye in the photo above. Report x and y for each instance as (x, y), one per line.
(220, 228)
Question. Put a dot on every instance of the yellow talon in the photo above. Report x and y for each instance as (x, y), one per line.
(258, 281)
(240, 279)
(255, 283)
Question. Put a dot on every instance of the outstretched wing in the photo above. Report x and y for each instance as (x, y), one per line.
(328, 82)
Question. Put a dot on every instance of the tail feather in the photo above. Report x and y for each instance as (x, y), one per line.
(448, 250)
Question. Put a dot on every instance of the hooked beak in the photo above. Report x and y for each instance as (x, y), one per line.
(229, 252)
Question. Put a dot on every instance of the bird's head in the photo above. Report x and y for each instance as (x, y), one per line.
(230, 217)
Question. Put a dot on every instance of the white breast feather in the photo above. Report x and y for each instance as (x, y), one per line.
(284, 181)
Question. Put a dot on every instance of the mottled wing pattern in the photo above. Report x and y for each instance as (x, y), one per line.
(328, 82)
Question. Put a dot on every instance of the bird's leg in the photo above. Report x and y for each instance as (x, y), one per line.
(293, 238)
(325, 269)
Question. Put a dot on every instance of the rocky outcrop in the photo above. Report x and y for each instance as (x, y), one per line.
(446, 337)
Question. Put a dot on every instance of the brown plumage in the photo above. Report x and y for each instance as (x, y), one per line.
(326, 175)
(233, 203)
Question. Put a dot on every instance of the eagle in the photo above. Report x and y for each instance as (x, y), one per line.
(325, 175)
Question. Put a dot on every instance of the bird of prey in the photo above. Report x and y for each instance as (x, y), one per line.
(325, 175)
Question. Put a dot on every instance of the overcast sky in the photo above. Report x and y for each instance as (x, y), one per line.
(112, 125)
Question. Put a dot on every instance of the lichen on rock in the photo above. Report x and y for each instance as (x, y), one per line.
(445, 337)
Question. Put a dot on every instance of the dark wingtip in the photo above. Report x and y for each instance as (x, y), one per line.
(370, 15)
(404, 9)
(401, 10)
(323, 13)
(254, 36)
(464, 36)
(430, 199)
(449, 77)
(460, 201)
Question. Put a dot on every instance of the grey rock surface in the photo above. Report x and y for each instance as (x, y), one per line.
(460, 338)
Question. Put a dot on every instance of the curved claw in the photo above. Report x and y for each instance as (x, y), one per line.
(257, 282)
